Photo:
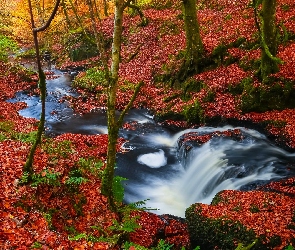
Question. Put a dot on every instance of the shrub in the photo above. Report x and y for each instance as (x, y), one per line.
(93, 80)
(6, 45)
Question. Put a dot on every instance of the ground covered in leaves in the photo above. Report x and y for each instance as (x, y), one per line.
(65, 209)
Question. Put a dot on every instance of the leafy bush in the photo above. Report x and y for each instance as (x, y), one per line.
(46, 177)
(57, 150)
(36, 245)
(25, 137)
(76, 178)
(92, 165)
(93, 80)
(6, 45)
(6, 131)
(118, 188)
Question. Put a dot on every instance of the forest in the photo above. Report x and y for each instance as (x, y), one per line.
(185, 65)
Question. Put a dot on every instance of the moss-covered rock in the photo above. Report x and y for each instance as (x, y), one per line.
(277, 95)
(237, 218)
(220, 233)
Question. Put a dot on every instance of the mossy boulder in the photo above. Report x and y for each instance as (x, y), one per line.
(219, 233)
(237, 218)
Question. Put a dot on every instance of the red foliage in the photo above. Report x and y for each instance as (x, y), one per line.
(273, 211)
(23, 207)
(153, 228)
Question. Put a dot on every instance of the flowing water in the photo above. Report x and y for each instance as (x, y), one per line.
(173, 178)
(158, 168)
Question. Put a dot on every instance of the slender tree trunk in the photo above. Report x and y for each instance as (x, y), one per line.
(194, 46)
(269, 62)
(28, 168)
(114, 123)
(113, 126)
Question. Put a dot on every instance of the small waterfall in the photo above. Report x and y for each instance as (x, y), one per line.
(198, 174)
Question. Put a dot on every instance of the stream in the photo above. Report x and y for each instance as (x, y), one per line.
(169, 174)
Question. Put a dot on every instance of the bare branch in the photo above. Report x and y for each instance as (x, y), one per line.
(129, 105)
(46, 25)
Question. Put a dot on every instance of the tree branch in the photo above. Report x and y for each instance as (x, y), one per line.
(46, 25)
(137, 89)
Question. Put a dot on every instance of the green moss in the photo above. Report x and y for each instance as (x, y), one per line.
(93, 80)
(168, 115)
(275, 123)
(250, 65)
(228, 17)
(6, 126)
(277, 95)
(192, 85)
(218, 198)
(81, 45)
(223, 233)
(221, 52)
(254, 208)
(292, 224)
(29, 53)
(210, 96)
(194, 113)
(171, 97)
(285, 7)
(127, 86)
(210, 233)
(237, 208)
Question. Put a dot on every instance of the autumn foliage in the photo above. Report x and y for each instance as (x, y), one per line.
(52, 213)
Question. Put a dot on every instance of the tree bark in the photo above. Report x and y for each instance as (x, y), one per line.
(28, 168)
(269, 61)
(194, 45)
(114, 124)
(113, 128)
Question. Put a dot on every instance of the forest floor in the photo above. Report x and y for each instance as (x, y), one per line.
(55, 215)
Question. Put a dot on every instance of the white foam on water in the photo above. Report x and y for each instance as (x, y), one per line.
(153, 160)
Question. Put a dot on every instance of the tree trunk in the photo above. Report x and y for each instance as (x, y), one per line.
(269, 62)
(194, 46)
(113, 126)
(28, 167)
